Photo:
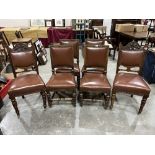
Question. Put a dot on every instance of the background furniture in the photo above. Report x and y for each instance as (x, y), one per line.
(55, 34)
(115, 34)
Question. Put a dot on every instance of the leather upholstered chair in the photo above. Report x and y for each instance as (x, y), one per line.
(28, 83)
(75, 44)
(94, 72)
(128, 77)
(62, 81)
(92, 42)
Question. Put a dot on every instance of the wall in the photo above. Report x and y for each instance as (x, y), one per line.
(14, 22)
(26, 22)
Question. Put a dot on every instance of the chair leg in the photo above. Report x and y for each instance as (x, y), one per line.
(23, 96)
(81, 98)
(112, 100)
(14, 103)
(107, 101)
(49, 97)
(74, 99)
(114, 55)
(43, 94)
(142, 104)
(78, 81)
(131, 95)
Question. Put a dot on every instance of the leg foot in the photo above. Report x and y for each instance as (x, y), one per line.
(142, 104)
(112, 100)
(43, 94)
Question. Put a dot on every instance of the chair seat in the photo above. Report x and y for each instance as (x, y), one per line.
(26, 84)
(61, 81)
(95, 82)
(131, 83)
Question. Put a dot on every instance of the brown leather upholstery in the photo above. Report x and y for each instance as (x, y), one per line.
(127, 81)
(94, 42)
(26, 83)
(96, 57)
(62, 62)
(94, 73)
(75, 44)
(95, 82)
(62, 56)
(61, 81)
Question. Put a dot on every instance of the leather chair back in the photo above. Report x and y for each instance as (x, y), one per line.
(74, 43)
(94, 42)
(62, 57)
(130, 59)
(23, 59)
(96, 57)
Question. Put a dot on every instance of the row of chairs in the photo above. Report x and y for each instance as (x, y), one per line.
(93, 81)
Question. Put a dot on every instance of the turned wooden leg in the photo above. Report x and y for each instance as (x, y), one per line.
(74, 99)
(14, 103)
(43, 94)
(81, 98)
(112, 100)
(107, 98)
(49, 97)
(142, 104)
(78, 81)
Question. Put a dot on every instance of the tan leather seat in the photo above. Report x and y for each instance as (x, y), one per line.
(62, 78)
(61, 81)
(95, 82)
(94, 71)
(25, 84)
(75, 44)
(128, 80)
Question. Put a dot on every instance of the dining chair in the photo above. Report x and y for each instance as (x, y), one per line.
(94, 79)
(128, 78)
(62, 82)
(27, 80)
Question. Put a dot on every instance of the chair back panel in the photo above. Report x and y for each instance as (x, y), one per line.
(23, 59)
(130, 59)
(94, 42)
(96, 57)
(62, 56)
(74, 43)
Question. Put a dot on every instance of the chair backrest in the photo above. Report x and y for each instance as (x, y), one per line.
(74, 43)
(94, 42)
(96, 58)
(25, 60)
(62, 57)
(133, 45)
(130, 59)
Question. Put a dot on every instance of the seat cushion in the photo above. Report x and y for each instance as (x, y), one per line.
(95, 82)
(61, 81)
(131, 83)
(26, 84)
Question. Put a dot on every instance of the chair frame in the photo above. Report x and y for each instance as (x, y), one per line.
(95, 70)
(55, 70)
(129, 69)
(76, 56)
(34, 68)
